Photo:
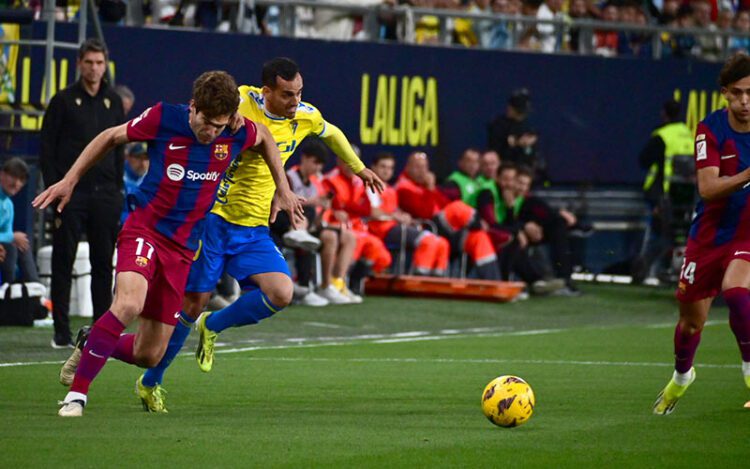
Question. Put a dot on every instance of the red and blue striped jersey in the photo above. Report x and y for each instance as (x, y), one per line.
(720, 221)
(183, 174)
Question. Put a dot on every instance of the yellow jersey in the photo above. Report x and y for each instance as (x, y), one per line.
(247, 187)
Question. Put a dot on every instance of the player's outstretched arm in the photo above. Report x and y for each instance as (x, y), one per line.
(711, 186)
(336, 141)
(371, 180)
(102, 144)
(284, 199)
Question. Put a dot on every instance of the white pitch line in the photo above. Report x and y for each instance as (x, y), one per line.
(480, 332)
(322, 324)
(7, 365)
(715, 322)
(486, 360)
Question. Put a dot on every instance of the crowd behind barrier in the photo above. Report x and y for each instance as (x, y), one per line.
(705, 29)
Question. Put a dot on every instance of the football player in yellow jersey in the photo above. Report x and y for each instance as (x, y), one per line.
(237, 236)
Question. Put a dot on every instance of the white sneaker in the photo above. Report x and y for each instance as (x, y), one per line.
(300, 292)
(545, 287)
(333, 296)
(71, 409)
(353, 297)
(301, 239)
(313, 299)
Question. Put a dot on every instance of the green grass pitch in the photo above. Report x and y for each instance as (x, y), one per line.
(397, 383)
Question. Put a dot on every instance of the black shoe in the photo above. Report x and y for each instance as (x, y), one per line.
(68, 370)
(82, 337)
(61, 342)
(569, 290)
(581, 230)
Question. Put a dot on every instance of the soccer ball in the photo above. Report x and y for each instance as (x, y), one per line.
(508, 401)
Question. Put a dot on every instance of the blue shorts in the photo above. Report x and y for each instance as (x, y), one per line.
(243, 251)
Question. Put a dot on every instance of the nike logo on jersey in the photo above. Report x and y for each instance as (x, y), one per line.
(91, 352)
(172, 146)
(177, 315)
(739, 253)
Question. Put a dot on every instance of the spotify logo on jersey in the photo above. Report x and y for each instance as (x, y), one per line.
(175, 172)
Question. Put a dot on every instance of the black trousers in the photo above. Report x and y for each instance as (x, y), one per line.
(304, 262)
(98, 215)
(556, 235)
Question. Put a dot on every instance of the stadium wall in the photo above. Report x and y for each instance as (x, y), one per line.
(593, 114)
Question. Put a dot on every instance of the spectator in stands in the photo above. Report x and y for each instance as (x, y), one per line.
(661, 156)
(500, 34)
(668, 13)
(606, 40)
(633, 43)
(550, 35)
(74, 117)
(427, 27)
(684, 44)
(462, 184)
(463, 29)
(529, 37)
(482, 28)
(127, 96)
(725, 20)
(741, 25)
(349, 207)
(112, 11)
(709, 44)
(419, 196)
(340, 25)
(578, 10)
(395, 227)
(16, 247)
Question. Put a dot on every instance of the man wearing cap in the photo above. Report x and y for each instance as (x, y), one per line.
(511, 136)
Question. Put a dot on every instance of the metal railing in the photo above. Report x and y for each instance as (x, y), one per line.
(407, 21)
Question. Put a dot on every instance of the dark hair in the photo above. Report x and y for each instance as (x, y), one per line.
(520, 100)
(215, 94)
(522, 170)
(314, 148)
(383, 155)
(93, 45)
(470, 150)
(17, 168)
(671, 109)
(282, 67)
(507, 165)
(735, 68)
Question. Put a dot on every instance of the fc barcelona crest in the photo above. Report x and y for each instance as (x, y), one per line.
(221, 151)
(141, 261)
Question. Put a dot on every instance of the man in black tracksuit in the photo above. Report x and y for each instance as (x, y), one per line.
(74, 117)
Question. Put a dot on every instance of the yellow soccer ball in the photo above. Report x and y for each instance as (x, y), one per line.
(508, 401)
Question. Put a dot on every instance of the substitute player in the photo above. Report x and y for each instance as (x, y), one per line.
(237, 235)
(718, 250)
(189, 148)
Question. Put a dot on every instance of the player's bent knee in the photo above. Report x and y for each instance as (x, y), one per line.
(126, 310)
(148, 357)
(281, 295)
(194, 304)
